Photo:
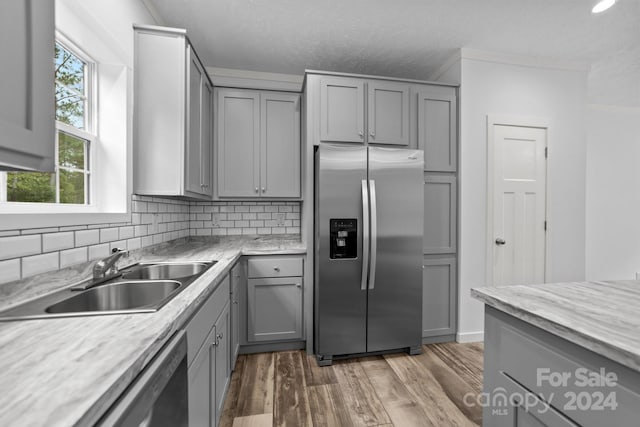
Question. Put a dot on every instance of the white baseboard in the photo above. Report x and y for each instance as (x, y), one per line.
(464, 337)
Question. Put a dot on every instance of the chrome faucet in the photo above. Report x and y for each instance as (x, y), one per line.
(106, 267)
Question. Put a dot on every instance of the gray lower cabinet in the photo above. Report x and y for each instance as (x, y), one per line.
(274, 309)
(236, 298)
(534, 378)
(274, 299)
(27, 104)
(208, 353)
(222, 352)
(439, 297)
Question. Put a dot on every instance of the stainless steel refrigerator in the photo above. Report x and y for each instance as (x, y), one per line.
(368, 250)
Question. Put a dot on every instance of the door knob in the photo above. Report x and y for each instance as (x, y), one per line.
(500, 241)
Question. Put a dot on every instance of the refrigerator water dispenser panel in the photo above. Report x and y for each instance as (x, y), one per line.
(344, 238)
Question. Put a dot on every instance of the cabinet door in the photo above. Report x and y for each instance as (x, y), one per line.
(388, 113)
(280, 145)
(206, 140)
(235, 314)
(238, 155)
(26, 83)
(222, 371)
(202, 384)
(274, 309)
(521, 408)
(438, 297)
(193, 178)
(341, 109)
(437, 130)
(439, 215)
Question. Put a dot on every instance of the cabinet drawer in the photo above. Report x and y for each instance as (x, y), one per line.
(275, 267)
(539, 360)
(202, 322)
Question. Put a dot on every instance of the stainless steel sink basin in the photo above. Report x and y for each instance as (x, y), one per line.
(139, 288)
(117, 296)
(165, 271)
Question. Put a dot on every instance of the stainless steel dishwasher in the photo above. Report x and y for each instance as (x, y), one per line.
(158, 397)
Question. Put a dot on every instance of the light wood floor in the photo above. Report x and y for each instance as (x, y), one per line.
(289, 389)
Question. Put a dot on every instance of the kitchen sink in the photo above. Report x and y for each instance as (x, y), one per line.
(117, 296)
(138, 288)
(165, 271)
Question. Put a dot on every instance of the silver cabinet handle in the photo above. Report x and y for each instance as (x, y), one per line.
(298, 285)
(373, 134)
(276, 268)
(264, 189)
(365, 235)
(361, 134)
(500, 241)
(256, 189)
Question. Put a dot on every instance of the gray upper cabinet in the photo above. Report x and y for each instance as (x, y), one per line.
(437, 129)
(173, 117)
(238, 143)
(440, 214)
(280, 145)
(341, 109)
(26, 82)
(388, 113)
(258, 144)
(198, 170)
(343, 112)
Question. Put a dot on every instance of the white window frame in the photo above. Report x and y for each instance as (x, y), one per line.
(89, 134)
(110, 182)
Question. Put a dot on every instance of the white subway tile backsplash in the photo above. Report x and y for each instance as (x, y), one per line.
(108, 234)
(57, 241)
(126, 232)
(98, 251)
(38, 230)
(19, 246)
(73, 256)
(135, 243)
(153, 220)
(87, 237)
(9, 270)
(37, 264)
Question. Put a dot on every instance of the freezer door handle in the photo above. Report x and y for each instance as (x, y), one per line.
(365, 235)
(374, 234)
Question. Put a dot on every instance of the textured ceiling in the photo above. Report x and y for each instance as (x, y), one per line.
(412, 38)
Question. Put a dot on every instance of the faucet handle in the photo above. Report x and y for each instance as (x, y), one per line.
(116, 250)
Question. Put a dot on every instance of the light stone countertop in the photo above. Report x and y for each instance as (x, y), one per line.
(68, 371)
(603, 317)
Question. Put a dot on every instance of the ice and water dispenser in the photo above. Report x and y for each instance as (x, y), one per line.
(344, 238)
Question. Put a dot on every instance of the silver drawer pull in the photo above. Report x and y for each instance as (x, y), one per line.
(276, 268)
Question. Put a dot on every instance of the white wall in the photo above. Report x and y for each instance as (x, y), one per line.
(524, 87)
(613, 193)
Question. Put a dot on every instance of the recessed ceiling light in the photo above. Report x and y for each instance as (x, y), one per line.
(602, 5)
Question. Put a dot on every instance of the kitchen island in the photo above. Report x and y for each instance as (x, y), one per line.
(68, 371)
(561, 354)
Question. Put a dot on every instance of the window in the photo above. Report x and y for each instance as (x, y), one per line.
(75, 125)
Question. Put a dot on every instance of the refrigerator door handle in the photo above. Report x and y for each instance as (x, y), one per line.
(365, 235)
(374, 234)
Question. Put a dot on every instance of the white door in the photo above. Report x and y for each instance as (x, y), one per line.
(519, 204)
